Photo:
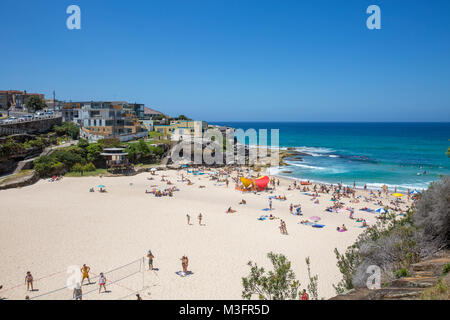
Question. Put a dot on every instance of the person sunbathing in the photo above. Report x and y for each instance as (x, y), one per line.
(243, 202)
(91, 190)
(231, 210)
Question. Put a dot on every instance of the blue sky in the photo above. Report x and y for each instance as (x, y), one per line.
(248, 60)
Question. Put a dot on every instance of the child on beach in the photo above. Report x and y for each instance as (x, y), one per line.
(102, 282)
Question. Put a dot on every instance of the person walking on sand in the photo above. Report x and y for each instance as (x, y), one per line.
(200, 219)
(101, 282)
(85, 274)
(150, 257)
(138, 296)
(270, 204)
(29, 281)
(188, 219)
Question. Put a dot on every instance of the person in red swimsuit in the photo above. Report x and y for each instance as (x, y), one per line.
(305, 295)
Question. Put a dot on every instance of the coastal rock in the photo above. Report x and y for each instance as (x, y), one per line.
(425, 276)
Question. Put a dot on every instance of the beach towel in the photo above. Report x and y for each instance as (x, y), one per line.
(182, 274)
(266, 209)
(342, 230)
(318, 225)
(307, 223)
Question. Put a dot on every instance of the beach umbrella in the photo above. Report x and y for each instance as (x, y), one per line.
(414, 192)
(153, 169)
(315, 218)
(397, 195)
(101, 186)
(380, 210)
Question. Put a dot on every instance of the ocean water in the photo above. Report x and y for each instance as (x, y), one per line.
(405, 155)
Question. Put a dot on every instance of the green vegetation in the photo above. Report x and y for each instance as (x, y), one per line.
(394, 244)
(13, 147)
(446, 269)
(142, 152)
(85, 158)
(440, 291)
(154, 134)
(313, 282)
(182, 117)
(448, 152)
(67, 129)
(35, 103)
(402, 273)
(94, 173)
(10, 147)
(279, 284)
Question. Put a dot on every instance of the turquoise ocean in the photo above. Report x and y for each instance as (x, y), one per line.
(402, 155)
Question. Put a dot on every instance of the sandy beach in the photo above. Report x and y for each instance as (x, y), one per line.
(50, 226)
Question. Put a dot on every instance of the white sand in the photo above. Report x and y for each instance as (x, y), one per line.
(49, 226)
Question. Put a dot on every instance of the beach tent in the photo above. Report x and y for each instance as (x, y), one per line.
(414, 192)
(246, 182)
(380, 210)
(262, 182)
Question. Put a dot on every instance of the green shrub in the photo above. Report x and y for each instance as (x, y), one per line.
(110, 143)
(279, 284)
(67, 129)
(446, 269)
(93, 152)
(47, 166)
(401, 273)
(10, 147)
(88, 167)
(77, 167)
(69, 156)
(83, 143)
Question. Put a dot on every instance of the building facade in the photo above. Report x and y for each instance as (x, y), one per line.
(182, 129)
(16, 99)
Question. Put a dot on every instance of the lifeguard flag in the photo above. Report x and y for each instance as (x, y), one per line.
(262, 182)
